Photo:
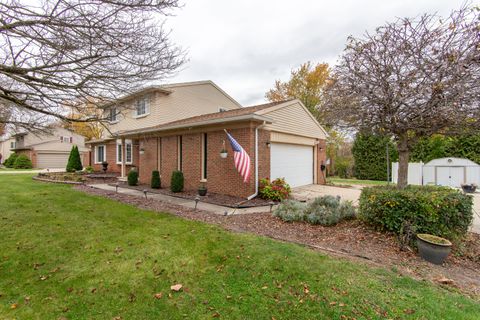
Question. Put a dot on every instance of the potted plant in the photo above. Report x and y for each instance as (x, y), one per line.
(469, 188)
(104, 166)
(202, 190)
(142, 151)
(223, 153)
(432, 248)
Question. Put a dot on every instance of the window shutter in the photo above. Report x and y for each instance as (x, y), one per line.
(61, 138)
(71, 139)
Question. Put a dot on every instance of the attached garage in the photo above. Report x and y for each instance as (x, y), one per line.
(52, 160)
(293, 162)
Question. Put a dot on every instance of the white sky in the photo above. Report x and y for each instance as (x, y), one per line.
(245, 45)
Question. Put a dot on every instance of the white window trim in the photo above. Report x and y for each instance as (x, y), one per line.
(147, 108)
(104, 153)
(119, 145)
(129, 142)
(117, 115)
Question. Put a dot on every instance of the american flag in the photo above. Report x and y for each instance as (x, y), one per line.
(241, 158)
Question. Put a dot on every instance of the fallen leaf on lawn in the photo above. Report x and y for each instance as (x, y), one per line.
(229, 297)
(341, 304)
(14, 306)
(216, 315)
(43, 278)
(264, 287)
(444, 280)
(409, 311)
(333, 303)
(93, 290)
(158, 295)
(176, 287)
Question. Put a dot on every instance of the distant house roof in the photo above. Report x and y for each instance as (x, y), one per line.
(247, 113)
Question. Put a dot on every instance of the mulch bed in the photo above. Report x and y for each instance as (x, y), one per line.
(350, 239)
(213, 198)
(75, 178)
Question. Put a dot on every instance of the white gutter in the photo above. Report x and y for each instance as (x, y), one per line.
(256, 163)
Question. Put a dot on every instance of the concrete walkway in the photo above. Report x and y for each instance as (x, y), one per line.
(184, 202)
(310, 192)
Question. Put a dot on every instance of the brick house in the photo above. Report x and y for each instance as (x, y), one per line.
(181, 127)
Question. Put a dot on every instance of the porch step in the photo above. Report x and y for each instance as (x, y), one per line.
(122, 179)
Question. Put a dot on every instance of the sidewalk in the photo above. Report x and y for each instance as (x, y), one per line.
(221, 210)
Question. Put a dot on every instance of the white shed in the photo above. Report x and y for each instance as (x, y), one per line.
(451, 172)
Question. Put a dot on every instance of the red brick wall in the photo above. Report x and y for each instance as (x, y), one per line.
(147, 162)
(322, 157)
(263, 154)
(111, 157)
(192, 160)
(168, 159)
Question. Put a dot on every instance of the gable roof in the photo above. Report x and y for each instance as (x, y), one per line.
(246, 113)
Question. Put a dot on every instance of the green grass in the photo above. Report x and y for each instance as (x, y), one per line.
(12, 169)
(341, 181)
(65, 254)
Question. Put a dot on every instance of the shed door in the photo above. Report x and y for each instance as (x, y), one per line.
(450, 176)
(292, 162)
(52, 160)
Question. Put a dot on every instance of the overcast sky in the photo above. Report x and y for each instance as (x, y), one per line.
(243, 46)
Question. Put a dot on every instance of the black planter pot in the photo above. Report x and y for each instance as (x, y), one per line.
(432, 251)
(104, 166)
(468, 188)
(202, 192)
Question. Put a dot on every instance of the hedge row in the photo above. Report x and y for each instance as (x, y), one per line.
(440, 211)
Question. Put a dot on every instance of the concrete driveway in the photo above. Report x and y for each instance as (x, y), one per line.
(310, 192)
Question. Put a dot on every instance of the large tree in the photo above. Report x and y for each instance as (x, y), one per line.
(53, 52)
(306, 84)
(410, 79)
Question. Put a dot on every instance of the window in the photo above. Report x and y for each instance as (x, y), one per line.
(179, 153)
(119, 152)
(222, 109)
(204, 156)
(100, 154)
(66, 139)
(13, 145)
(128, 152)
(141, 107)
(113, 115)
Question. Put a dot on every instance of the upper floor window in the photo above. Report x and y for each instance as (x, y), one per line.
(141, 107)
(66, 139)
(222, 109)
(13, 145)
(113, 114)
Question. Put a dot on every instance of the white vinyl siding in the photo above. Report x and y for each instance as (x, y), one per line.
(100, 154)
(293, 162)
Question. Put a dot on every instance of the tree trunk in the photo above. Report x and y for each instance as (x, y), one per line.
(403, 155)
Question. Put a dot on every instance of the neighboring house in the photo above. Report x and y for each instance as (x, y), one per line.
(6, 146)
(50, 151)
(182, 127)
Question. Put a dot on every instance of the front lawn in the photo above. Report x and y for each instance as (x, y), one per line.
(69, 255)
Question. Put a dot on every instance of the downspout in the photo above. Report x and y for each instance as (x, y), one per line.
(256, 163)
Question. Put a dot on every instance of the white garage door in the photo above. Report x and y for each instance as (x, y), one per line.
(52, 160)
(292, 162)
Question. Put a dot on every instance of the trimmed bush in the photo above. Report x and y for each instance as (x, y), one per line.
(132, 177)
(10, 161)
(22, 162)
(74, 162)
(155, 183)
(290, 210)
(328, 211)
(440, 211)
(277, 190)
(176, 184)
(89, 169)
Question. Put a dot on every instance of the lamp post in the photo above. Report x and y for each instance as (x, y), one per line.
(145, 193)
(197, 199)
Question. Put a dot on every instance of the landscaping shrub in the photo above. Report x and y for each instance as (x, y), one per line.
(132, 178)
(89, 169)
(10, 161)
(329, 210)
(74, 162)
(277, 190)
(290, 210)
(440, 211)
(22, 162)
(155, 183)
(176, 184)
